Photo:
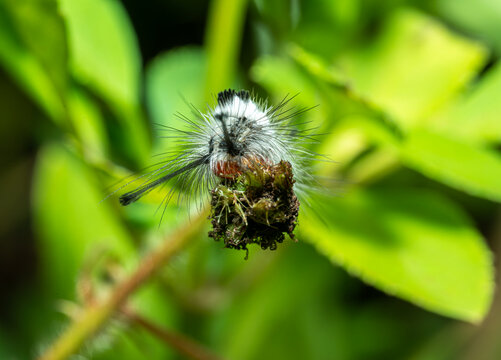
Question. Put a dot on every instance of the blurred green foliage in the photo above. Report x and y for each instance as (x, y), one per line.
(409, 105)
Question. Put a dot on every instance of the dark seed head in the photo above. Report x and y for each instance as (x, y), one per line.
(257, 207)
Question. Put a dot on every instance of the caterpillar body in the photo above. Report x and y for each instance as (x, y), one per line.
(240, 132)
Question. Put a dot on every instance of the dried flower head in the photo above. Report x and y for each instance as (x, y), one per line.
(257, 207)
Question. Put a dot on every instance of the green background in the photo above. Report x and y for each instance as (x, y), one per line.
(395, 258)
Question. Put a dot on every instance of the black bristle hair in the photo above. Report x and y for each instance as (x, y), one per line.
(132, 196)
(243, 94)
(226, 97)
(128, 198)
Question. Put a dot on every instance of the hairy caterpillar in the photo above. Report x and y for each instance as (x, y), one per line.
(239, 133)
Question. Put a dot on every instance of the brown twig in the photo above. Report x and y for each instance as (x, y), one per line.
(184, 345)
(94, 317)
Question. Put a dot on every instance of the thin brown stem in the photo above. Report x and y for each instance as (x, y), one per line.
(184, 345)
(94, 317)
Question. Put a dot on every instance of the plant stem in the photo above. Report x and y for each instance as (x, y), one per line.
(94, 317)
(182, 344)
(224, 33)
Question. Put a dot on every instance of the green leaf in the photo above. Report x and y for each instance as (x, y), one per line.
(479, 17)
(88, 123)
(282, 15)
(410, 243)
(70, 219)
(174, 80)
(316, 66)
(335, 23)
(311, 79)
(104, 56)
(281, 76)
(104, 53)
(37, 63)
(475, 116)
(414, 67)
(463, 166)
(41, 28)
(352, 136)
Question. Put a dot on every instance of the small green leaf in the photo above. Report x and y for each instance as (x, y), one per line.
(410, 243)
(316, 66)
(88, 123)
(41, 74)
(70, 219)
(475, 116)
(41, 29)
(482, 18)
(282, 15)
(463, 166)
(174, 80)
(414, 67)
(104, 56)
(281, 76)
(327, 27)
(352, 136)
